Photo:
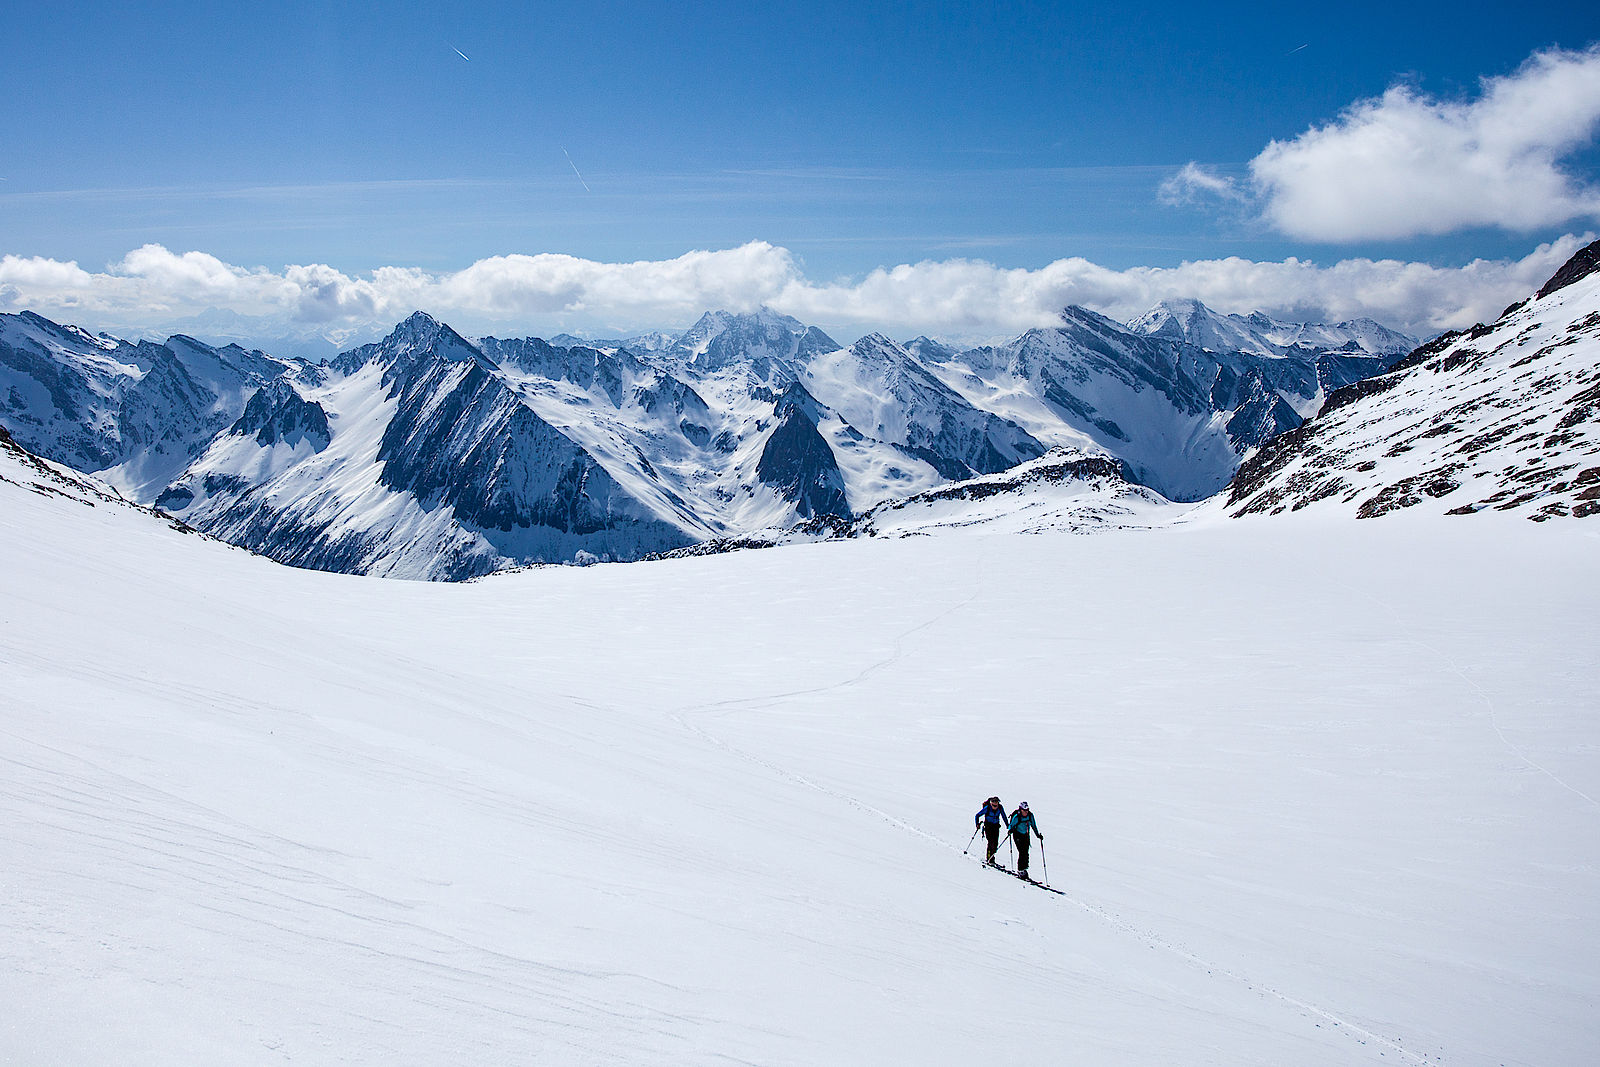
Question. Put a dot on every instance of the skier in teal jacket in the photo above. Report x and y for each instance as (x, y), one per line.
(1022, 821)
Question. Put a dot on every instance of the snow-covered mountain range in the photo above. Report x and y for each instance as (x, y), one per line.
(1257, 334)
(430, 455)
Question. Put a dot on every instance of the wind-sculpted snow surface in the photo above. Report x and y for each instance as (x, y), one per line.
(1307, 803)
(1503, 417)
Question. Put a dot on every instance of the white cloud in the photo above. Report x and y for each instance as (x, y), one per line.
(1406, 164)
(152, 288)
(1194, 182)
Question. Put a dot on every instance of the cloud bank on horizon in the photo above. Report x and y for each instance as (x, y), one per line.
(1397, 166)
(153, 287)
(1406, 164)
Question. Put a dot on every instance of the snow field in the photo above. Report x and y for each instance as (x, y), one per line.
(1319, 792)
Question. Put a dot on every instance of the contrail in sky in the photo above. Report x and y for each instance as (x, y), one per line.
(1290, 52)
(463, 55)
(574, 167)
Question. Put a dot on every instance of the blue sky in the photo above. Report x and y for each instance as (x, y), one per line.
(852, 136)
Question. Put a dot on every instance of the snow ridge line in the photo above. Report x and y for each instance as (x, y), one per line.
(1358, 1033)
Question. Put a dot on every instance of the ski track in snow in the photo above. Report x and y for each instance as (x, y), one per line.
(728, 707)
(1488, 703)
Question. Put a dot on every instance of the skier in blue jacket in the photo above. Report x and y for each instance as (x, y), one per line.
(1021, 822)
(991, 817)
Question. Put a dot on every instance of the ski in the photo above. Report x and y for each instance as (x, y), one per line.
(1021, 878)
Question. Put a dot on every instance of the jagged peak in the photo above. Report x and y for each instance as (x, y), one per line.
(877, 341)
(815, 341)
(1078, 315)
(1583, 263)
(421, 329)
(39, 322)
(419, 319)
(1187, 305)
(417, 336)
(798, 397)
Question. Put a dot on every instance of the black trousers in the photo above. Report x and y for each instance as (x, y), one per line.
(1021, 841)
(991, 833)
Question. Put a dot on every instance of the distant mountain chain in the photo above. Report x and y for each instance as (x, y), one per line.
(431, 455)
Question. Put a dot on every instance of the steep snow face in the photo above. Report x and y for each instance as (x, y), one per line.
(1307, 802)
(1503, 417)
(708, 418)
(694, 449)
(431, 466)
(645, 343)
(137, 414)
(328, 508)
(886, 393)
(1301, 362)
(1193, 323)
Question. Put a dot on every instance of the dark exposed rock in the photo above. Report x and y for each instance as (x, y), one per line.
(797, 460)
(1582, 264)
(278, 413)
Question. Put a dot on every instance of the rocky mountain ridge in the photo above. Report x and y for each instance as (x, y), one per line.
(1503, 417)
(431, 455)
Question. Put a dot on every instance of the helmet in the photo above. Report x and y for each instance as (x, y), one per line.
(1023, 806)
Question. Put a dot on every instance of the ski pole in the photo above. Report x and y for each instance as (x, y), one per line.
(971, 839)
(1043, 862)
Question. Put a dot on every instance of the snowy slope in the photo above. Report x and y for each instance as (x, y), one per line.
(21, 470)
(1062, 491)
(654, 430)
(714, 809)
(767, 347)
(1505, 416)
(885, 393)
